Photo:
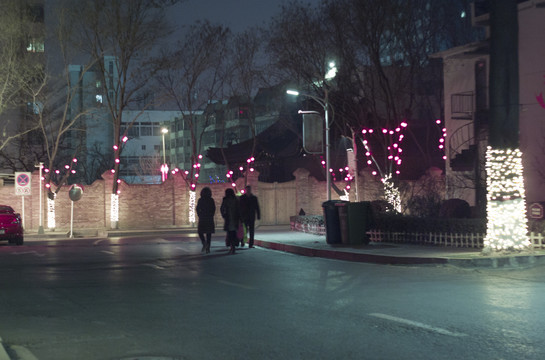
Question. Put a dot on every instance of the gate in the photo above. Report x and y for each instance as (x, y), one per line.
(277, 203)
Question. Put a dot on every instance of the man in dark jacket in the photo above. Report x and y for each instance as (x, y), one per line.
(249, 209)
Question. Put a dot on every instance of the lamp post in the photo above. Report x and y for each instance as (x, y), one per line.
(325, 104)
(329, 75)
(164, 166)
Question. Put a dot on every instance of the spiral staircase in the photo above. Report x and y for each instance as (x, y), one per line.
(463, 143)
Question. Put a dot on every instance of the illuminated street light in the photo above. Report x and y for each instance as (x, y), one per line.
(332, 71)
(324, 103)
(164, 166)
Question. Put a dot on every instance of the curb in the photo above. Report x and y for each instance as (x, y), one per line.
(3, 353)
(349, 256)
(499, 262)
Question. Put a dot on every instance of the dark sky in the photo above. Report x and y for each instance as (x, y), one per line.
(236, 14)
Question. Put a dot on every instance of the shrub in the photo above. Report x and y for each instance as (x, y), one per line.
(455, 208)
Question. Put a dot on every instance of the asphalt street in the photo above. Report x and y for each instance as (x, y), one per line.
(158, 297)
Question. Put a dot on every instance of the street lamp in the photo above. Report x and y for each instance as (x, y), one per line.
(164, 166)
(325, 104)
(330, 74)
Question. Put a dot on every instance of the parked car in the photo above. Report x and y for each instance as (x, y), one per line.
(11, 225)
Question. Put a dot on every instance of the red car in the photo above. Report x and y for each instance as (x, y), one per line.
(11, 225)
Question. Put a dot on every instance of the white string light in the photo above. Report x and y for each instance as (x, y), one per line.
(507, 227)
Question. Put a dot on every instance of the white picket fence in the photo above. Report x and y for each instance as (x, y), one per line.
(470, 240)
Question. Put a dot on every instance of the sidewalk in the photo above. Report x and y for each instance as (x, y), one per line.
(281, 238)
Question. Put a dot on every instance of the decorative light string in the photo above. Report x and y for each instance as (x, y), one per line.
(442, 139)
(232, 175)
(507, 227)
(394, 139)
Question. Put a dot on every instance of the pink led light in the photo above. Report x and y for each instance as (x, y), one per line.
(73, 171)
(444, 157)
(391, 132)
(200, 156)
(46, 170)
(347, 187)
(233, 184)
(384, 131)
(117, 161)
(438, 121)
(330, 170)
(228, 175)
(197, 175)
(75, 160)
(371, 131)
(369, 162)
(374, 173)
(112, 171)
(119, 181)
(252, 169)
(193, 186)
(252, 158)
(186, 172)
(323, 162)
(115, 147)
(403, 124)
(364, 131)
(398, 129)
(125, 139)
(48, 185)
(397, 172)
(57, 172)
(441, 146)
(67, 167)
(241, 168)
(367, 153)
(118, 192)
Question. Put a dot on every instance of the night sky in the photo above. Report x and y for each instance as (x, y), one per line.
(236, 14)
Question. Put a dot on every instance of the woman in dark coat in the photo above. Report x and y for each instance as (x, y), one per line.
(231, 215)
(206, 208)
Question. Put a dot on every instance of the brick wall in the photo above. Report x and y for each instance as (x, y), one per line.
(165, 205)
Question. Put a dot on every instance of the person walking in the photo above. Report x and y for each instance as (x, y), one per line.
(249, 210)
(206, 209)
(230, 212)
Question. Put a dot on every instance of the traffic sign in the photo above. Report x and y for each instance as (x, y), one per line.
(22, 183)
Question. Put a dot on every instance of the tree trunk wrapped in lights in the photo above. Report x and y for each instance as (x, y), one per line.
(506, 209)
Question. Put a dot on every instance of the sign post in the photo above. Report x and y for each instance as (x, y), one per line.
(22, 188)
(75, 193)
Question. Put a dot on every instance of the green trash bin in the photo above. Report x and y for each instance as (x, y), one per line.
(332, 221)
(356, 218)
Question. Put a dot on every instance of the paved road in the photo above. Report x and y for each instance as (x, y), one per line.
(128, 298)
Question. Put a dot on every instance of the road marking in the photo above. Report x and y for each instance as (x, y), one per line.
(29, 253)
(107, 252)
(98, 241)
(417, 324)
(157, 267)
(236, 285)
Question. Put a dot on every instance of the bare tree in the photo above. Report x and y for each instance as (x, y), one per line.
(384, 75)
(193, 77)
(19, 66)
(126, 33)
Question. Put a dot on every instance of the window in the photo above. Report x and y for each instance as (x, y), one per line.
(143, 147)
(462, 105)
(35, 46)
(146, 129)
